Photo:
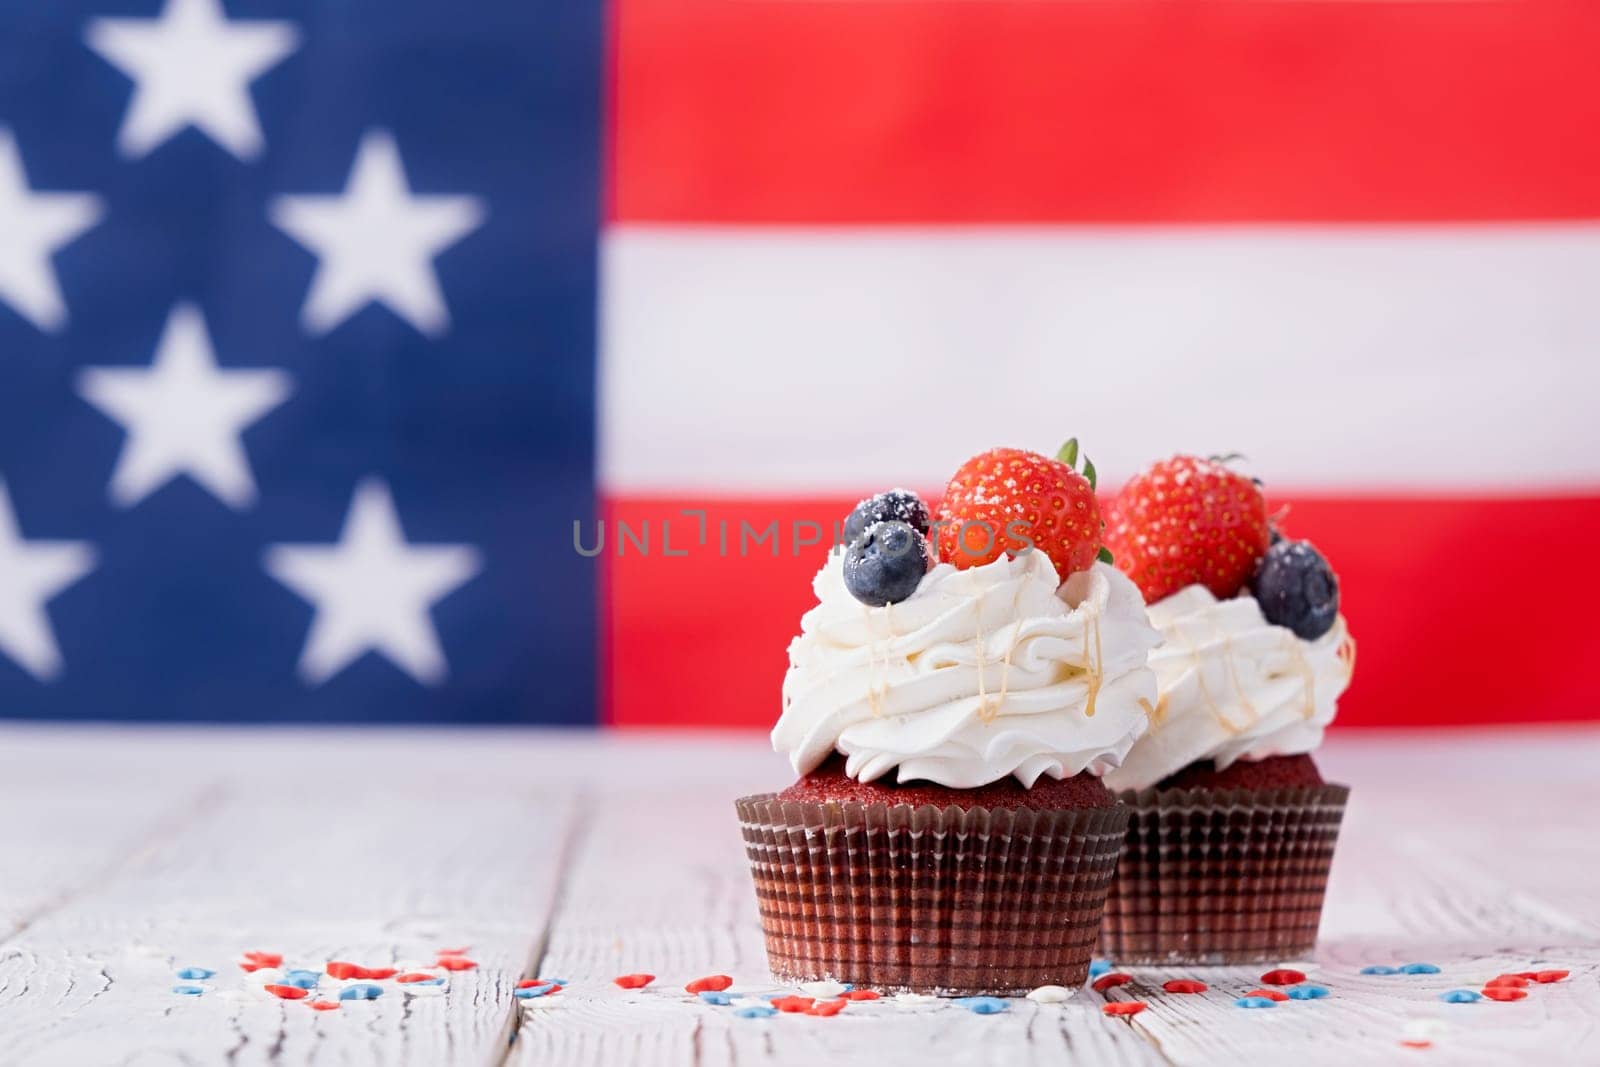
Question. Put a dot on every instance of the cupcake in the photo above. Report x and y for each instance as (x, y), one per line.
(1232, 827)
(950, 711)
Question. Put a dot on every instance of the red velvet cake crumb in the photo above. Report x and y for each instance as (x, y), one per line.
(829, 783)
(1277, 772)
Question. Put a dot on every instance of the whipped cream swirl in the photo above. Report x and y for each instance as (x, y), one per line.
(982, 673)
(1234, 686)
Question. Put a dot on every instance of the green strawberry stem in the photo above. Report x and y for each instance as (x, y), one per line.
(1069, 456)
(1104, 555)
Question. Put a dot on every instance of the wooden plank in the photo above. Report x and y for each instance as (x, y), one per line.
(659, 884)
(58, 839)
(58, 832)
(159, 848)
(376, 870)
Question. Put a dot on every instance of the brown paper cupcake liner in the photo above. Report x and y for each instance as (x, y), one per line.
(1222, 876)
(929, 900)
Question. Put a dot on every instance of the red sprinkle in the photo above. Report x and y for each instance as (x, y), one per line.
(287, 992)
(341, 969)
(1530, 975)
(1546, 977)
(1416, 1042)
(529, 983)
(1185, 985)
(827, 1007)
(414, 976)
(1511, 981)
(1270, 994)
(456, 963)
(1283, 976)
(713, 983)
(861, 994)
(635, 981)
(325, 1005)
(377, 973)
(1500, 992)
(794, 1004)
(1123, 1007)
(462, 951)
(255, 961)
(1114, 978)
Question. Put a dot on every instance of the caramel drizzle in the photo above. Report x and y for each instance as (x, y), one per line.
(1157, 714)
(1205, 692)
(1094, 666)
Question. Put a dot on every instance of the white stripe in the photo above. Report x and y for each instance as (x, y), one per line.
(781, 360)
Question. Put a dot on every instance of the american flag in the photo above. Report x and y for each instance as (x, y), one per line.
(297, 359)
(301, 391)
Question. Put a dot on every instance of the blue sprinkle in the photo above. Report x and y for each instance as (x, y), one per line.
(1460, 996)
(1419, 968)
(1255, 1002)
(361, 992)
(1379, 968)
(557, 981)
(299, 981)
(315, 976)
(1099, 967)
(189, 990)
(982, 1005)
(195, 974)
(534, 991)
(848, 986)
(754, 1011)
(1307, 992)
(427, 981)
(717, 997)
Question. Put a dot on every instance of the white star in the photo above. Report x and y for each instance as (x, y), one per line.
(183, 415)
(31, 572)
(372, 590)
(32, 226)
(192, 67)
(376, 242)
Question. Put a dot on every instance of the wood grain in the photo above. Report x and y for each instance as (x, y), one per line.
(364, 865)
(585, 857)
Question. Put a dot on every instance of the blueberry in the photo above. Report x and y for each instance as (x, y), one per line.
(885, 564)
(900, 505)
(1296, 588)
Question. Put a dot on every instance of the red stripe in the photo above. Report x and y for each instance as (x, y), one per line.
(1020, 110)
(1466, 611)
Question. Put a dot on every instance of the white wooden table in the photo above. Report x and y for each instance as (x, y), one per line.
(126, 854)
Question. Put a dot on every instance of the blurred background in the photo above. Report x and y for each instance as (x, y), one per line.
(505, 362)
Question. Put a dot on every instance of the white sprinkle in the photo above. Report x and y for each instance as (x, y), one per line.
(1425, 1029)
(913, 1000)
(749, 1002)
(822, 990)
(267, 976)
(1050, 994)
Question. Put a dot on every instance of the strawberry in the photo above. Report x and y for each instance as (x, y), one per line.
(1188, 520)
(1008, 500)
